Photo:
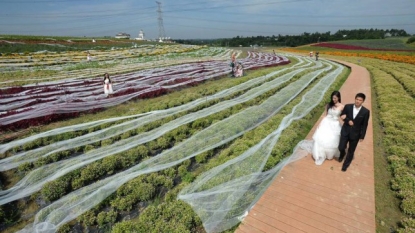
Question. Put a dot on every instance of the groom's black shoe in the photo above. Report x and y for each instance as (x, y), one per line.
(344, 169)
(341, 158)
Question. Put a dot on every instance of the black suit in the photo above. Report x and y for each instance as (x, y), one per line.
(352, 134)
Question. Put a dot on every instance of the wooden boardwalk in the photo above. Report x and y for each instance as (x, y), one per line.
(309, 198)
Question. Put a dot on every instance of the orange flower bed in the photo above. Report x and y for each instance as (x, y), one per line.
(386, 56)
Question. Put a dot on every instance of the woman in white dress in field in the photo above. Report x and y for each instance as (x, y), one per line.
(327, 136)
(239, 72)
(107, 85)
(88, 57)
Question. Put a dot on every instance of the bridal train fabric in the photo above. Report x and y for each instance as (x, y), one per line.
(221, 203)
(326, 138)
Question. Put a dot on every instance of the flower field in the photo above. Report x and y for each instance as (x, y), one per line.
(344, 46)
(49, 58)
(180, 136)
(394, 85)
(26, 44)
(407, 57)
(142, 171)
(45, 102)
(391, 44)
(30, 68)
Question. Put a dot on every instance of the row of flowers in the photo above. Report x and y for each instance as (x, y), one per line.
(355, 47)
(383, 56)
(393, 87)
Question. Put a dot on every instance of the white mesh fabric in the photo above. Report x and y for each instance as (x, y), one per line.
(79, 201)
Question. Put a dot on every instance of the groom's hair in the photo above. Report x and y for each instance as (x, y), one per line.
(361, 95)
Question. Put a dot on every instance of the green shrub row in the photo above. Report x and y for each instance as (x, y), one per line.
(172, 217)
(404, 78)
(396, 113)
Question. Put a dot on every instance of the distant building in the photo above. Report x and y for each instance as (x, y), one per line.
(140, 35)
(165, 39)
(122, 35)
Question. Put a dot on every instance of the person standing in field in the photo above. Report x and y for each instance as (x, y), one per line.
(233, 65)
(356, 120)
(326, 138)
(239, 70)
(107, 85)
(88, 57)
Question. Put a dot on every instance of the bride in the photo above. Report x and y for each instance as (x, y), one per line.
(327, 136)
(107, 85)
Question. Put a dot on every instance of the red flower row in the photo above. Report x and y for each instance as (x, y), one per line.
(354, 47)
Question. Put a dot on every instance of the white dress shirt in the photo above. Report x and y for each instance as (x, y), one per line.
(356, 111)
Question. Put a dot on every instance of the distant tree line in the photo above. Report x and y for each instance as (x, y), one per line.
(297, 40)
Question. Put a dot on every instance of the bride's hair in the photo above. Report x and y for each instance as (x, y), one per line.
(106, 75)
(331, 104)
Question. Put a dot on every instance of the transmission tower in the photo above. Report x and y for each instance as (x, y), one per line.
(162, 33)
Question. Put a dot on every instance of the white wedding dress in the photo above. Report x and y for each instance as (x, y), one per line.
(107, 87)
(327, 137)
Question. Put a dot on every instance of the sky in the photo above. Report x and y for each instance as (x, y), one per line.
(201, 19)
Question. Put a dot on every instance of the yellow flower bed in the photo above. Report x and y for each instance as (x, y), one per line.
(383, 56)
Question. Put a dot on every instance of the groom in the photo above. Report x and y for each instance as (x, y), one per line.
(356, 119)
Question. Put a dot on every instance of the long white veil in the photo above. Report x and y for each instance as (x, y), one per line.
(247, 183)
